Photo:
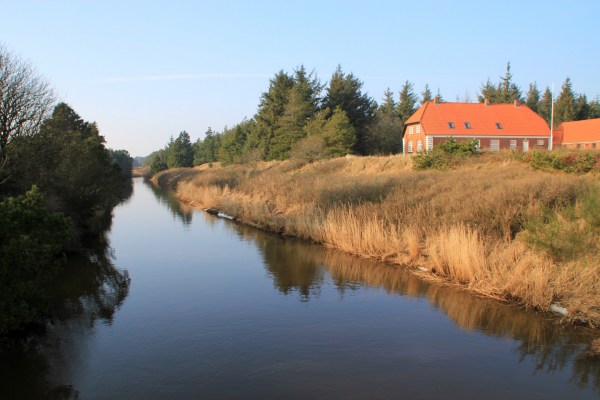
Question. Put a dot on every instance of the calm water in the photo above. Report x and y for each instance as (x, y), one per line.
(183, 305)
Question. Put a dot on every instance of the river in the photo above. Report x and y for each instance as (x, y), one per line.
(179, 304)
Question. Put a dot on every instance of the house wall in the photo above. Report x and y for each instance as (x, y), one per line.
(595, 145)
(504, 143)
(412, 140)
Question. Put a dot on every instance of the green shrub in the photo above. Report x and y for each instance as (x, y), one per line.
(31, 240)
(567, 161)
(569, 231)
(446, 155)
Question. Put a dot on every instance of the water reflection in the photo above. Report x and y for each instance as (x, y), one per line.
(89, 290)
(178, 209)
(300, 267)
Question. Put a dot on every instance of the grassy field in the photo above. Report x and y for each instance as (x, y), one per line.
(493, 225)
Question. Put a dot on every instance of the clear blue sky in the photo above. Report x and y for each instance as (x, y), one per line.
(146, 70)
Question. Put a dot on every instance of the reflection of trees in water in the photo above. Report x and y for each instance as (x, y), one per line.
(89, 289)
(292, 267)
(177, 208)
(299, 266)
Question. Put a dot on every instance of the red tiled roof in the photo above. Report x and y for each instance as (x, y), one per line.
(515, 120)
(585, 131)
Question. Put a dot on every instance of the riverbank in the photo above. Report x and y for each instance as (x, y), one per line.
(494, 225)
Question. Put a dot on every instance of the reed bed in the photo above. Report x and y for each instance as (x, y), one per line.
(471, 226)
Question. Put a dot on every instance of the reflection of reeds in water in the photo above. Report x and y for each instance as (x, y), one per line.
(297, 266)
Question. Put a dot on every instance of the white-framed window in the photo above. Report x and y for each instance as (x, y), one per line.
(495, 145)
(410, 146)
(410, 130)
(525, 145)
(478, 143)
(513, 144)
(419, 146)
(540, 142)
(429, 142)
(418, 128)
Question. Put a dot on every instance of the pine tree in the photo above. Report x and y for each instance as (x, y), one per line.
(595, 107)
(339, 134)
(270, 110)
(344, 91)
(533, 97)
(426, 95)
(408, 101)
(439, 96)
(489, 91)
(388, 106)
(565, 108)
(582, 108)
(180, 152)
(545, 105)
(508, 91)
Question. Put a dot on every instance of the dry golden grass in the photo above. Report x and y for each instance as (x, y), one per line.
(462, 225)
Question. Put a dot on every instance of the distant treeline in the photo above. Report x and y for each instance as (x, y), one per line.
(298, 116)
(57, 180)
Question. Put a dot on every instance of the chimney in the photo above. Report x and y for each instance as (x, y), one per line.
(487, 102)
(517, 103)
(436, 100)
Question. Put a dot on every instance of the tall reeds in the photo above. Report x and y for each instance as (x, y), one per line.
(474, 226)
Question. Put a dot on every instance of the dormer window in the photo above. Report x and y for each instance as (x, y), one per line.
(498, 125)
(451, 125)
(467, 125)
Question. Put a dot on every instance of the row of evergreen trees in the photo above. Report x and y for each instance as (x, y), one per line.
(298, 115)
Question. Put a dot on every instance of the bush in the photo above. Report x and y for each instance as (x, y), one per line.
(567, 232)
(567, 161)
(446, 155)
(32, 238)
(309, 149)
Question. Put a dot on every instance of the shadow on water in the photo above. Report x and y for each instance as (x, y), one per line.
(90, 289)
(300, 267)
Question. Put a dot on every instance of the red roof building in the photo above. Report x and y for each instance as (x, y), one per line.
(495, 126)
(578, 134)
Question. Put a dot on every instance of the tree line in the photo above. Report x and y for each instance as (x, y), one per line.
(57, 180)
(299, 116)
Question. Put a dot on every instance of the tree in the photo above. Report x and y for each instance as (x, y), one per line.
(533, 97)
(545, 105)
(270, 110)
(595, 107)
(426, 95)
(26, 99)
(582, 108)
(388, 106)
(488, 92)
(123, 160)
(505, 92)
(385, 133)
(408, 101)
(69, 163)
(439, 96)
(180, 152)
(207, 150)
(565, 109)
(344, 91)
(338, 134)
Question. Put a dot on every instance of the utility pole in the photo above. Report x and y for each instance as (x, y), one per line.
(551, 120)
